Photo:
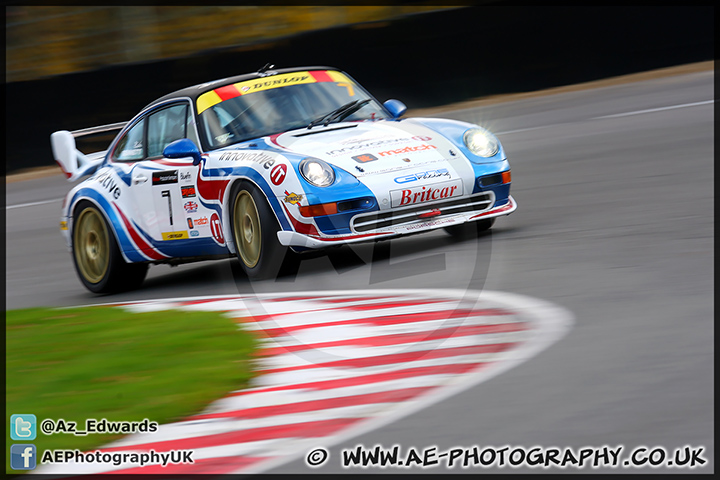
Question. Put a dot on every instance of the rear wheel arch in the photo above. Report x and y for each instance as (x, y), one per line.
(74, 210)
(100, 263)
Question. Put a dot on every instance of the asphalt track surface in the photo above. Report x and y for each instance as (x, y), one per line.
(615, 223)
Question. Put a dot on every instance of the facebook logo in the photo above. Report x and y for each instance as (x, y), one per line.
(23, 427)
(22, 457)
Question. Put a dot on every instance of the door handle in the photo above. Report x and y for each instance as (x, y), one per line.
(139, 179)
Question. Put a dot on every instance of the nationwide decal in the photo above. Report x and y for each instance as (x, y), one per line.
(426, 193)
(194, 233)
(413, 177)
(190, 223)
(216, 229)
(201, 221)
(254, 157)
(185, 176)
(277, 174)
(106, 180)
(364, 158)
(362, 144)
(187, 191)
(293, 198)
(165, 178)
(174, 235)
(190, 207)
(419, 148)
(63, 225)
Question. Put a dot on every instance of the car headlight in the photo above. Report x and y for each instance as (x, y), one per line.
(317, 172)
(481, 142)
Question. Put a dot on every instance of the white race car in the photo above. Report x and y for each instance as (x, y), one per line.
(259, 164)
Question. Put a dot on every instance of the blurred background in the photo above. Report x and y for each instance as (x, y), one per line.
(76, 67)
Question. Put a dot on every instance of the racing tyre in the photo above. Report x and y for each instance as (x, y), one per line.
(96, 255)
(470, 229)
(254, 230)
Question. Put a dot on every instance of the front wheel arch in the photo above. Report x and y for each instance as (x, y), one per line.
(254, 218)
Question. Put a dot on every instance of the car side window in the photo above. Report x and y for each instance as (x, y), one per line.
(164, 127)
(190, 131)
(131, 145)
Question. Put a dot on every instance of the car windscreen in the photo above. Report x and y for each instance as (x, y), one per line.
(270, 105)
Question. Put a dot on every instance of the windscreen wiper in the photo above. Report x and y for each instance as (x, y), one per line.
(340, 116)
(328, 117)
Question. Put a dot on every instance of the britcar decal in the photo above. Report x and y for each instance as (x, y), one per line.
(426, 193)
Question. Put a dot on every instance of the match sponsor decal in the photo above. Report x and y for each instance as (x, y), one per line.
(418, 148)
(426, 193)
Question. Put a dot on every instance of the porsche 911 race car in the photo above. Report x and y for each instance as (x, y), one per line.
(257, 164)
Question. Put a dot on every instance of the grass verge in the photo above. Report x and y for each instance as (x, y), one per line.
(105, 362)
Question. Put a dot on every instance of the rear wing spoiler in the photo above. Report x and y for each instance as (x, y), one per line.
(72, 161)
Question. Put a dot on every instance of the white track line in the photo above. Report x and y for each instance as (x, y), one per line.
(650, 110)
(21, 205)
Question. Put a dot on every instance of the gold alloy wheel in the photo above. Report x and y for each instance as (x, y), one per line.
(91, 243)
(246, 229)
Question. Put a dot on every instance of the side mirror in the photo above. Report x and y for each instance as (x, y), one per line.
(395, 107)
(182, 148)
